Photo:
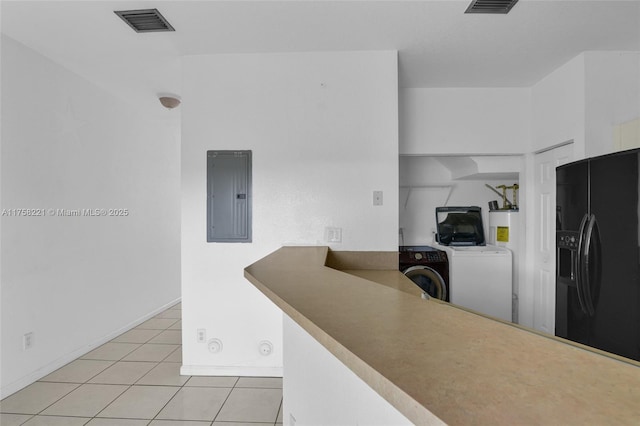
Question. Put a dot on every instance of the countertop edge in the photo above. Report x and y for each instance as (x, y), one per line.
(408, 406)
(541, 379)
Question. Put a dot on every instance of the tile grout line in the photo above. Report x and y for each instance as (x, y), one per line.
(136, 383)
(149, 421)
(79, 384)
(86, 382)
(279, 411)
(133, 384)
(225, 401)
(170, 399)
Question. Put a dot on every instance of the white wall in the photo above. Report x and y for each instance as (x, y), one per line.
(612, 87)
(558, 107)
(464, 121)
(583, 100)
(323, 128)
(77, 281)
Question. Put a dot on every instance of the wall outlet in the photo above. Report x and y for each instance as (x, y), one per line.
(377, 198)
(201, 335)
(215, 346)
(333, 235)
(27, 341)
(265, 348)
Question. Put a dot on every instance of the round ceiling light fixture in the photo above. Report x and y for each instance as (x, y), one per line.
(169, 101)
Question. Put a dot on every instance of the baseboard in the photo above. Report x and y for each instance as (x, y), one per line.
(214, 370)
(25, 381)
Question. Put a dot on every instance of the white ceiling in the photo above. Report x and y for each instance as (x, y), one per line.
(438, 45)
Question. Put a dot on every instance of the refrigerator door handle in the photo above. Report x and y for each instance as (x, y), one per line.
(580, 264)
(587, 263)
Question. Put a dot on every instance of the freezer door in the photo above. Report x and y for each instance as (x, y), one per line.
(614, 202)
(572, 205)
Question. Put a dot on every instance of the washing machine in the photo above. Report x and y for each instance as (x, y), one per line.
(479, 274)
(480, 278)
(428, 267)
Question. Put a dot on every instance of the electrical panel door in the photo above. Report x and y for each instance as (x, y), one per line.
(229, 196)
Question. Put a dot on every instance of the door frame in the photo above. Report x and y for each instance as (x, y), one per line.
(533, 312)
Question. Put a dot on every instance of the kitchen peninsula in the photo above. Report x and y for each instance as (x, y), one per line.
(431, 361)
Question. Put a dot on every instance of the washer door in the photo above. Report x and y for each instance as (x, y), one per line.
(429, 280)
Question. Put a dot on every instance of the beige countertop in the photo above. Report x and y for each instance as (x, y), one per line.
(427, 357)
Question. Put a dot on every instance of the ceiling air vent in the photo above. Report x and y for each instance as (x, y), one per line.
(490, 6)
(145, 20)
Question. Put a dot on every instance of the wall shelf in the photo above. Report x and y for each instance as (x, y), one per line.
(448, 186)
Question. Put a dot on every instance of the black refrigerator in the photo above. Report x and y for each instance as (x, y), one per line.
(598, 263)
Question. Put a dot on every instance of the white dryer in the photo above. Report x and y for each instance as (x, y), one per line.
(480, 278)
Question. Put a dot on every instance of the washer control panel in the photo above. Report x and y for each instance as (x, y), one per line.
(430, 256)
(422, 254)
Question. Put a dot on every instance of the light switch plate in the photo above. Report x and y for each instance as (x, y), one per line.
(377, 198)
(27, 341)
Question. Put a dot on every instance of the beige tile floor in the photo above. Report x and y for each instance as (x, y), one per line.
(134, 380)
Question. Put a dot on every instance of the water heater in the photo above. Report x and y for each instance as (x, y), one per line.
(504, 232)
